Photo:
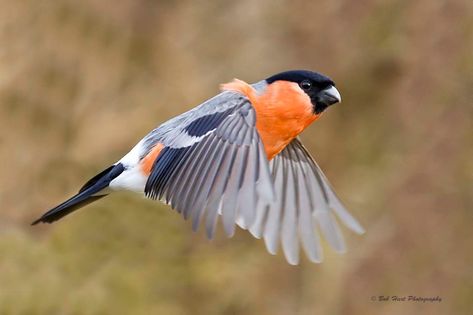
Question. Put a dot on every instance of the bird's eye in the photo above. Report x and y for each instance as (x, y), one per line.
(306, 85)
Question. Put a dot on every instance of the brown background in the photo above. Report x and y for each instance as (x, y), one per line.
(82, 81)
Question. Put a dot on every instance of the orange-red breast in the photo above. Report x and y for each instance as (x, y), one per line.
(237, 155)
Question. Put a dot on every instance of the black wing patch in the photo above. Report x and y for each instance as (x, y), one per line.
(204, 124)
(163, 167)
(170, 158)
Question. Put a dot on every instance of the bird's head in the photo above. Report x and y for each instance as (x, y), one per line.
(319, 88)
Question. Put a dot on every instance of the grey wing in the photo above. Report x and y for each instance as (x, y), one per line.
(172, 133)
(213, 162)
(305, 204)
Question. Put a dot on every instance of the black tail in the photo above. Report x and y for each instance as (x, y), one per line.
(90, 192)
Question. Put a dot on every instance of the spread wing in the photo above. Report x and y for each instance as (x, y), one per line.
(305, 204)
(213, 162)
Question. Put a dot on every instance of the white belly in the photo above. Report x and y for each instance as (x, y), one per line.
(131, 179)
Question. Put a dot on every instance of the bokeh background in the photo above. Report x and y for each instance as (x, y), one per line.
(82, 81)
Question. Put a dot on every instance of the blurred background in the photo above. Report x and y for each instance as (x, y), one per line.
(82, 81)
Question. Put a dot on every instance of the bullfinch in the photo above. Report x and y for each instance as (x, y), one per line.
(237, 156)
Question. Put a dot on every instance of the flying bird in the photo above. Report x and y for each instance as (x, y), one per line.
(238, 156)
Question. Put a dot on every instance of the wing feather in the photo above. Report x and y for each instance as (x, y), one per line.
(307, 230)
(201, 174)
(272, 227)
(205, 187)
(305, 204)
(222, 171)
(176, 184)
(290, 243)
(197, 170)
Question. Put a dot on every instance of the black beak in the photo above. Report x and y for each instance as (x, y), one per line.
(329, 96)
